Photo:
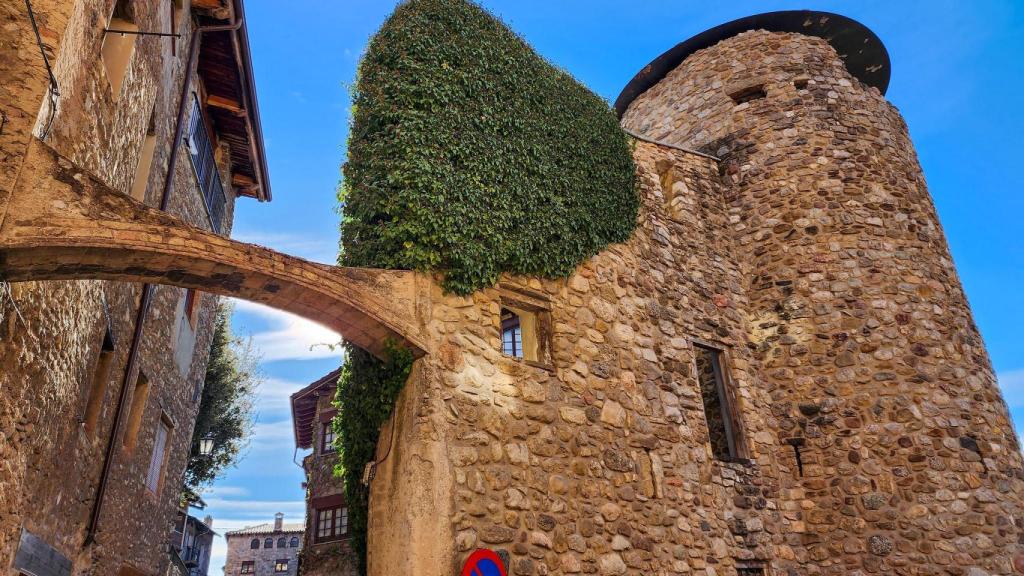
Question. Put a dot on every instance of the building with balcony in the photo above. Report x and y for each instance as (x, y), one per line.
(327, 549)
(191, 542)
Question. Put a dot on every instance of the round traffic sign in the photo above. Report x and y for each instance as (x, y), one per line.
(483, 563)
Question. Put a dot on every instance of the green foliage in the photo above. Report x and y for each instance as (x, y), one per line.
(471, 155)
(226, 407)
(367, 389)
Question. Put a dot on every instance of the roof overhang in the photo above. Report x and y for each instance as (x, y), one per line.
(225, 67)
(861, 50)
(304, 407)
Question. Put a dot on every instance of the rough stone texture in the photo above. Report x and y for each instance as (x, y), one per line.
(264, 559)
(812, 254)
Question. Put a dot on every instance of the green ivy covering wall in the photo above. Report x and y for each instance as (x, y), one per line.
(468, 155)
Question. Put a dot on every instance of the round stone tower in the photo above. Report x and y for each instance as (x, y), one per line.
(897, 454)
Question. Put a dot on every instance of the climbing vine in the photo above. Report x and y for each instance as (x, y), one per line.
(468, 155)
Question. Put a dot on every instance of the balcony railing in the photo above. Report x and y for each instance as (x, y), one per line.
(207, 175)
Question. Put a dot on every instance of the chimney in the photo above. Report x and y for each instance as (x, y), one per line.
(208, 520)
(278, 521)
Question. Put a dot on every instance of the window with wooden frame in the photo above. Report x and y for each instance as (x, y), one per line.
(249, 566)
(138, 407)
(331, 523)
(326, 437)
(280, 565)
(118, 48)
(525, 327)
(158, 460)
(724, 428)
(98, 384)
(204, 165)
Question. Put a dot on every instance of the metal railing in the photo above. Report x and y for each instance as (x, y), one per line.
(205, 167)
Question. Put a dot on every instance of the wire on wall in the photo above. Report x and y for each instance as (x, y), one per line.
(54, 92)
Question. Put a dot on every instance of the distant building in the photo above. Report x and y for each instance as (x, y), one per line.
(191, 540)
(270, 549)
(327, 535)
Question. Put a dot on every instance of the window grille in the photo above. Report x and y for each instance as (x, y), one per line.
(328, 436)
(205, 167)
(331, 523)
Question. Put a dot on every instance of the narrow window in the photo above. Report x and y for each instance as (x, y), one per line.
(139, 397)
(192, 301)
(328, 438)
(143, 168)
(158, 462)
(525, 325)
(100, 378)
(249, 566)
(341, 523)
(268, 543)
(722, 425)
(118, 48)
(751, 568)
(748, 94)
(511, 334)
(255, 544)
(281, 565)
(800, 83)
(294, 542)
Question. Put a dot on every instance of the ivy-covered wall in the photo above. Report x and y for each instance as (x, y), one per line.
(468, 155)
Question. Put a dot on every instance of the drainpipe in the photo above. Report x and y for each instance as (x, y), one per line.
(147, 289)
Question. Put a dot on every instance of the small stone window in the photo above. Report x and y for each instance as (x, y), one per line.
(724, 431)
(249, 566)
(282, 542)
(748, 94)
(139, 397)
(192, 300)
(751, 568)
(800, 83)
(294, 542)
(100, 378)
(117, 47)
(255, 544)
(525, 326)
(280, 565)
(268, 543)
(145, 164)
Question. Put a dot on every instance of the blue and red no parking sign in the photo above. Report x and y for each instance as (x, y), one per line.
(483, 563)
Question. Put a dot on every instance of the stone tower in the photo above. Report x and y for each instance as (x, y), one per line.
(895, 452)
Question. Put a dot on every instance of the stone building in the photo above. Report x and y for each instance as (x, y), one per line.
(777, 374)
(192, 542)
(270, 549)
(327, 551)
(102, 379)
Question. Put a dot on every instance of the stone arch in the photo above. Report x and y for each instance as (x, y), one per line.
(59, 223)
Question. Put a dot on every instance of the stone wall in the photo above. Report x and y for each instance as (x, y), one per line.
(264, 559)
(52, 331)
(870, 355)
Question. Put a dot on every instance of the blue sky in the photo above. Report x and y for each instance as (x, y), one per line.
(957, 77)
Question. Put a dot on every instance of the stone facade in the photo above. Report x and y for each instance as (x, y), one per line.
(65, 345)
(260, 550)
(871, 435)
(326, 550)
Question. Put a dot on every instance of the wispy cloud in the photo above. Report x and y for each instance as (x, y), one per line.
(275, 395)
(315, 248)
(289, 337)
(1012, 385)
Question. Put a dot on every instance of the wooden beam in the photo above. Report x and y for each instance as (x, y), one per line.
(225, 103)
(242, 180)
(207, 4)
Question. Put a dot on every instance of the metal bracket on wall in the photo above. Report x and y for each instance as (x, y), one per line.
(140, 33)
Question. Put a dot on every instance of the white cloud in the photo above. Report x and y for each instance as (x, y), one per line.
(315, 248)
(1012, 385)
(289, 337)
(275, 395)
(225, 491)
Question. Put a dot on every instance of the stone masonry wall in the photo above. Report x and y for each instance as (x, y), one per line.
(600, 463)
(870, 356)
(52, 331)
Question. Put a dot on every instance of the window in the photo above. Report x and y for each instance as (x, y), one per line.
(117, 48)
(723, 427)
(268, 543)
(204, 165)
(249, 566)
(328, 437)
(525, 325)
(192, 300)
(100, 378)
(138, 407)
(158, 461)
(751, 568)
(748, 94)
(255, 544)
(281, 565)
(331, 523)
(281, 542)
(294, 542)
(142, 169)
(511, 334)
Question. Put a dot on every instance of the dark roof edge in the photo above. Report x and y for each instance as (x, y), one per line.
(245, 57)
(862, 51)
(329, 378)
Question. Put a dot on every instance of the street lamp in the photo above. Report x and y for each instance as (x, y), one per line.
(206, 444)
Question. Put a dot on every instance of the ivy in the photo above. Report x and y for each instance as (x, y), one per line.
(468, 155)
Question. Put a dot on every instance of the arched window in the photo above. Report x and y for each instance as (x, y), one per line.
(268, 543)
(294, 542)
(281, 542)
(255, 544)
